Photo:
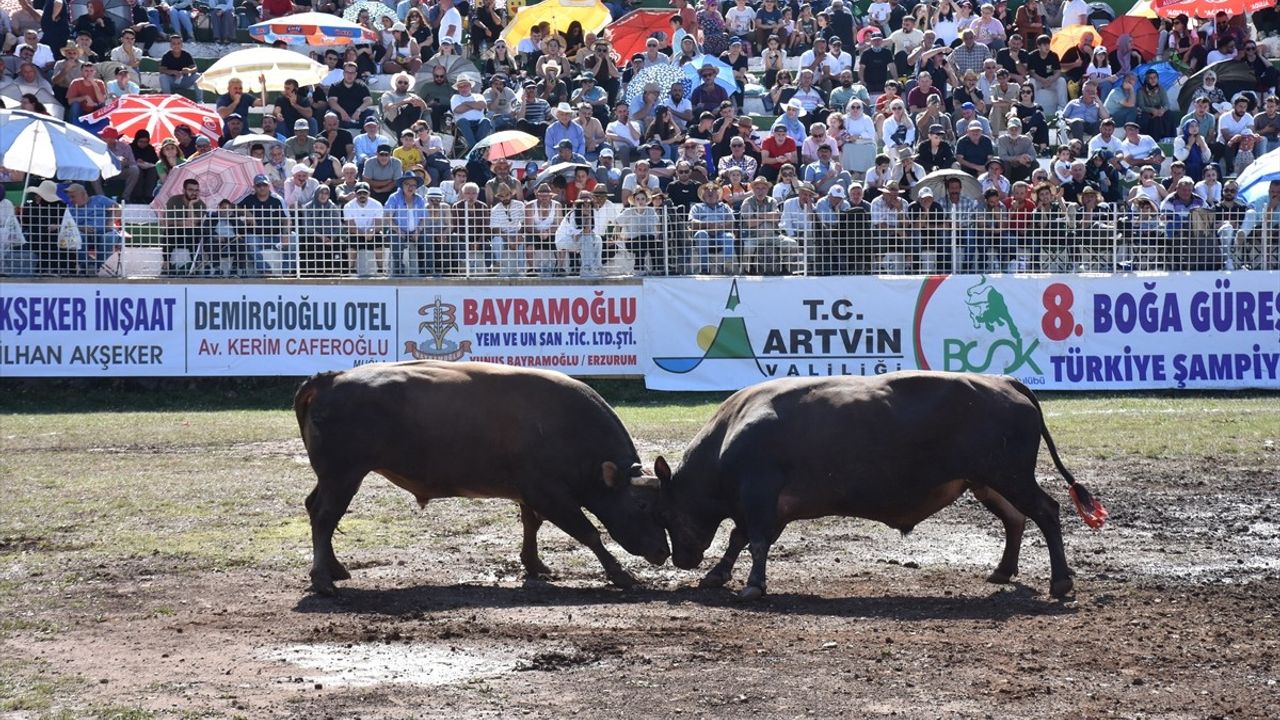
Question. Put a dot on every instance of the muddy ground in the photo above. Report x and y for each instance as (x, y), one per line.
(1176, 615)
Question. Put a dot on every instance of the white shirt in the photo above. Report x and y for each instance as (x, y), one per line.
(471, 114)
(684, 106)
(451, 18)
(836, 65)
(1141, 149)
(507, 220)
(879, 12)
(1229, 125)
(40, 58)
(1100, 143)
(364, 216)
(1072, 11)
(739, 19)
(628, 131)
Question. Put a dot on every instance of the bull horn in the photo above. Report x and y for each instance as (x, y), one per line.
(646, 482)
(637, 470)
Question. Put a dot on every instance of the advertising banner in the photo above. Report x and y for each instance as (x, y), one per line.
(576, 329)
(1064, 332)
(223, 329)
(1120, 332)
(725, 333)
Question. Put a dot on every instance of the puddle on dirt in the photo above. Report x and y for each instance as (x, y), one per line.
(366, 665)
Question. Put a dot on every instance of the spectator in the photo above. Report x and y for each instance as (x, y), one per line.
(301, 188)
(898, 130)
(86, 94)
(123, 153)
(1154, 116)
(777, 150)
(970, 54)
(875, 65)
(232, 128)
(888, 221)
(1044, 70)
(994, 178)
(623, 134)
(365, 218)
(506, 223)
(366, 143)
(350, 97)
(1085, 114)
(178, 70)
(974, 149)
(401, 108)
(712, 223)
(266, 226)
(759, 216)
(542, 218)
(183, 220)
(381, 173)
(562, 130)
(325, 167)
(1138, 150)
(1191, 148)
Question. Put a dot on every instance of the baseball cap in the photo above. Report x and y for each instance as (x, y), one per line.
(370, 121)
(925, 191)
(606, 152)
(362, 187)
(301, 124)
(566, 143)
(236, 116)
(202, 140)
(938, 129)
(968, 106)
(261, 180)
(434, 192)
(109, 133)
(837, 191)
(384, 148)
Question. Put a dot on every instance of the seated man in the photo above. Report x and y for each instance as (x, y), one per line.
(469, 110)
(97, 218)
(712, 223)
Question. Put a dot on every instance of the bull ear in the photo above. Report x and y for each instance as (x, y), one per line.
(610, 473)
(662, 469)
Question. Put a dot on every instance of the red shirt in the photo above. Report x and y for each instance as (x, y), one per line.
(572, 191)
(1019, 212)
(775, 148)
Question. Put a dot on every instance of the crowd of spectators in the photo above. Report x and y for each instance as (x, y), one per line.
(814, 157)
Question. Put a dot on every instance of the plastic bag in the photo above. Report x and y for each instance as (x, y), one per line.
(69, 233)
(10, 229)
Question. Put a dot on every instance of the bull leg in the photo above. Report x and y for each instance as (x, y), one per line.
(533, 565)
(1014, 525)
(576, 525)
(760, 516)
(723, 571)
(326, 505)
(1036, 504)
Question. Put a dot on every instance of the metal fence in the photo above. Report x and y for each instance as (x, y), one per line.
(472, 239)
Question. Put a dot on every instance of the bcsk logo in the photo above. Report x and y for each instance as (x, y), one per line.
(1000, 346)
(441, 318)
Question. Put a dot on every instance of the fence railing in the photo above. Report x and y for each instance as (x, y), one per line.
(592, 240)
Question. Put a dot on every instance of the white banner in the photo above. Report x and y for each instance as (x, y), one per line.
(110, 329)
(1195, 330)
(724, 334)
(576, 329)
(1121, 332)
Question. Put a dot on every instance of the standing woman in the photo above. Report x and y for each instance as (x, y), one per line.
(1100, 71)
(715, 35)
(55, 24)
(542, 219)
(486, 26)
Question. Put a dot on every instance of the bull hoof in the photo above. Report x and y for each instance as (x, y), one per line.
(751, 592)
(537, 569)
(338, 571)
(1062, 588)
(544, 576)
(623, 579)
(323, 585)
(714, 580)
(1000, 577)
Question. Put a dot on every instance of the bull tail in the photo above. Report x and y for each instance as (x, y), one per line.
(1087, 506)
(305, 395)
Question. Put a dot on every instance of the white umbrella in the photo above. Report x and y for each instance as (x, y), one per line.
(52, 148)
(273, 64)
(244, 143)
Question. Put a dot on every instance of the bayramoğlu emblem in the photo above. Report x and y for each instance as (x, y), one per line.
(439, 319)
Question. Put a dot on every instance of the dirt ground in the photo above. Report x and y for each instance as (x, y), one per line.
(1175, 616)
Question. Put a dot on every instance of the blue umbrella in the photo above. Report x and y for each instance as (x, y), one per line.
(1168, 74)
(724, 73)
(41, 145)
(1257, 178)
(663, 75)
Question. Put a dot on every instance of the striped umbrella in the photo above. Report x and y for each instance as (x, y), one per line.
(1208, 8)
(159, 115)
(506, 143)
(41, 145)
(222, 174)
(311, 28)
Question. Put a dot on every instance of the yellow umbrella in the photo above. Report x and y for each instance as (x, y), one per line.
(251, 66)
(1142, 8)
(1069, 37)
(591, 13)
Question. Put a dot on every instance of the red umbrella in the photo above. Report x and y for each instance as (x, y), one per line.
(630, 32)
(159, 115)
(1208, 8)
(223, 174)
(1142, 35)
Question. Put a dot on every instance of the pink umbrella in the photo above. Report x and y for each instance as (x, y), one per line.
(222, 174)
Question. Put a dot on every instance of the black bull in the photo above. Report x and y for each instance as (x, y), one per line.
(477, 430)
(895, 448)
